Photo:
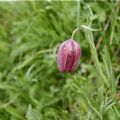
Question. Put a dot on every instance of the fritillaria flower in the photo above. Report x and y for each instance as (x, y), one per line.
(69, 52)
(68, 56)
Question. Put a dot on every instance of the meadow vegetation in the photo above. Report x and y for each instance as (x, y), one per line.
(32, 88)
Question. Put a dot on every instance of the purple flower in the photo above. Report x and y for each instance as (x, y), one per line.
(68, 56)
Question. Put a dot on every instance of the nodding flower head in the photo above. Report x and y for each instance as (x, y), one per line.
(68, 56)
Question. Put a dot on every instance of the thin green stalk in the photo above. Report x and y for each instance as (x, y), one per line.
(89, 38)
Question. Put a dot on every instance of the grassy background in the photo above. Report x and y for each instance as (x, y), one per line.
(32, 88)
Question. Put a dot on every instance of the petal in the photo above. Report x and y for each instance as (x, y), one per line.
(70, 57)
(77, 55)
(62, 56)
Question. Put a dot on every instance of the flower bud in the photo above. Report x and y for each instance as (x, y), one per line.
(68, 56)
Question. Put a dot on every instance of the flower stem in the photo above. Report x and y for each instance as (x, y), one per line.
(84, 28)
(72, 37)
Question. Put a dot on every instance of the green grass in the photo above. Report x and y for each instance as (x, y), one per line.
(32, 88)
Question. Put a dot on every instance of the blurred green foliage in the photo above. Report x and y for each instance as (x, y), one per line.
(31, 87)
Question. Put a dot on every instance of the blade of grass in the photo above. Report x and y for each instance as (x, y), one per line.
(109, 70)
(89, 38)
